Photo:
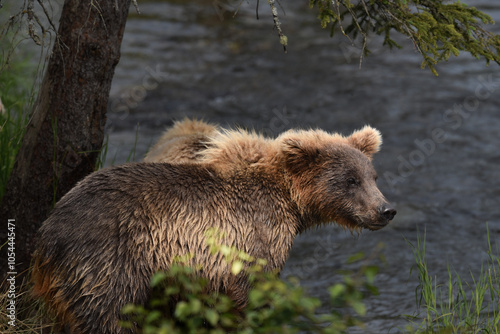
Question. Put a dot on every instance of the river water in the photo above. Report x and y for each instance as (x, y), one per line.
(439, 163)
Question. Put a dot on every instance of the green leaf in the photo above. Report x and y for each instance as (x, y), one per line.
(356, 257)
(359, 307)
(194, 306)
(237, 267)
(212, 316)
(131, 308)
(337, 290)
(157, 278)
(152, 316)
(182, 310)
(370, 273)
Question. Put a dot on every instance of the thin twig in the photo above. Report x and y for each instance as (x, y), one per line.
(340, 23)
(136, 6)
(405, 26)
(362, 32)
(277, 23)
(239, 6)
(47, 15)
(31, 15)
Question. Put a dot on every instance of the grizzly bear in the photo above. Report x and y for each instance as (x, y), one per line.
(108, 235)
(183, 142)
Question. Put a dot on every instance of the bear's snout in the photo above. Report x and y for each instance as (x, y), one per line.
(387, 213)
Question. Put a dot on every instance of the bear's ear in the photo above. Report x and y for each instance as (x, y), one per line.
(299, 154)
(367, 140)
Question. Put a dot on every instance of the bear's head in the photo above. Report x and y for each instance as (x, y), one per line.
(333, 179)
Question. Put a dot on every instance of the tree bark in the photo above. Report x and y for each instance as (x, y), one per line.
(66, 129)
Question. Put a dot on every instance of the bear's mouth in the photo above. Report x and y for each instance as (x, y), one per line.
(378, 225)
(371, 224)
(358, 222)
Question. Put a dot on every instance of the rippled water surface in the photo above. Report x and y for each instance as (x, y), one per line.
(179, 59)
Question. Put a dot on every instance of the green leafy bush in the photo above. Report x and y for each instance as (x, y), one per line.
(180, 302)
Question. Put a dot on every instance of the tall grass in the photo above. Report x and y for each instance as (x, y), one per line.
(12, 124)
(31, 315)
(17, 81)
(103, 158)
(460, 305)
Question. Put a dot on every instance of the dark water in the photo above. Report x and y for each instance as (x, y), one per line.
(439, 162)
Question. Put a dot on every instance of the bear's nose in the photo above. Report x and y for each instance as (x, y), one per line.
(388, 213)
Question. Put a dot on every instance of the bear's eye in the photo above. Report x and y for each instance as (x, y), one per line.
(352, 181)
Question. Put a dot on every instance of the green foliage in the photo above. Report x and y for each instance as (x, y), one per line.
(458, 306)
(438, 29)
(103, 154)
(16, 93)
(181, 303)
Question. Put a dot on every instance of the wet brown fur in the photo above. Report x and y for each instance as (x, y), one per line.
(109, 234)
(181, 143)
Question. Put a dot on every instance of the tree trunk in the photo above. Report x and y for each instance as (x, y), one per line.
(66, 129)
